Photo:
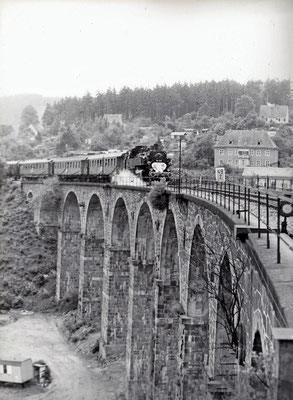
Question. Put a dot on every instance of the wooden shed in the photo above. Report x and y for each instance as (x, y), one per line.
(16, 371)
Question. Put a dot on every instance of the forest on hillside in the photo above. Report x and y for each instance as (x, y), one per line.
(148, 114)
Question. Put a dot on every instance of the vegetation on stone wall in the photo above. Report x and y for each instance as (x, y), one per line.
(27, 261)
(158, 196)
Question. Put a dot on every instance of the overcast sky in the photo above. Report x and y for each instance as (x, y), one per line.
(65, 48)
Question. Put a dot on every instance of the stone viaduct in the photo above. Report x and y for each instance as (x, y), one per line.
(141, 275)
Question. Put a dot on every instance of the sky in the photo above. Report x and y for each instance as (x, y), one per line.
(68, 48)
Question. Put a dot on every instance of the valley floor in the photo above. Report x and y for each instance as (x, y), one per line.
(74, 377)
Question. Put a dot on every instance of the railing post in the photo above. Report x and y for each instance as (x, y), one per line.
(248, 200)
(278, 233)
(229, 196)
(216, 192)
(221, 194)
(238, 201)
(224, 194)
(245, 203)
(268, 221)
(233, 198)
(258, 213)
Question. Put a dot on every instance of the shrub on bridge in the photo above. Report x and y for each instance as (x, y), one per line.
(158, 196)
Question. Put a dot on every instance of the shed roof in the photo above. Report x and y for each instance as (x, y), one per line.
(246, 138)
(14, 362)
(268, 171)
(273, 111)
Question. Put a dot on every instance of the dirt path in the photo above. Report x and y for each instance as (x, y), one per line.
(37, 337)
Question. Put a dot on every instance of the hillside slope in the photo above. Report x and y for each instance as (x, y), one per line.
(27, 261)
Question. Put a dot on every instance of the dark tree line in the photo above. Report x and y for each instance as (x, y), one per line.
(206, 98)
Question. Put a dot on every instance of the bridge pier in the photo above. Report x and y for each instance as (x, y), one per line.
(115, 302)
(91, 279)
(140, 338)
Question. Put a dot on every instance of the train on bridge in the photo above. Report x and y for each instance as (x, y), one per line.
(148, 163)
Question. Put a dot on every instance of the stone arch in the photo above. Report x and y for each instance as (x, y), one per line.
(197, 304)
(195, 328)
(224, 360)
(70, 247)
(168, 312)
(49, 215)
(93, 261)
(140, 339)
(242, 345)
(116, 284)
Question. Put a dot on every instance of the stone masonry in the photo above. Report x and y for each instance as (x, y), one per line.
(141, 273)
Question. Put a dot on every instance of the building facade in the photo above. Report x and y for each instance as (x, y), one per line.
(246, 148)
(274, 113)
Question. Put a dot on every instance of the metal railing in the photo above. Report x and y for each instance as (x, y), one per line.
(259, 209)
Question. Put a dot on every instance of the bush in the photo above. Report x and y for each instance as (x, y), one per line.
(158, 197)
(69, 301)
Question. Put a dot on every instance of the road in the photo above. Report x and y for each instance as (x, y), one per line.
(37, 337)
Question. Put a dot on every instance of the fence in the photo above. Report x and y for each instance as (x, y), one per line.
(247, 203)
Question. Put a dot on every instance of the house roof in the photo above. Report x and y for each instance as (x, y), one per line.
(268, 171)
(113, 118)
(246, 138)
(273, 111)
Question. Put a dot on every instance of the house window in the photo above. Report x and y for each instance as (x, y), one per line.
(258, 143)
(236, 162)
(243, 162)
(267, 153)
(236, 151)
(267, 163)
(221, 152)
(258, 152)
(251, 163)
(251, 152)
(258, 163)
(230, 152)
(6, 369)
(230, 162)
(221, 162)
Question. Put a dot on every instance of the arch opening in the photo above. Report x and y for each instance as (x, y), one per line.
(141, 307)
(70, 248)
(197, 305)
(93, 262)
(225, 333)
(169, 310)
(115, 290)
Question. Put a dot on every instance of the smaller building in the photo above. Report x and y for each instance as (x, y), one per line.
(16, 371)
(244, 148)
(275, 178)
(274, 113)
(113, 119)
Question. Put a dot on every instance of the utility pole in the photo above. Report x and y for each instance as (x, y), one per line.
(180, 135)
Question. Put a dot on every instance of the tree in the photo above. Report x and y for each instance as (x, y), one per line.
(66, 141)
(243, 106)
(29, 116)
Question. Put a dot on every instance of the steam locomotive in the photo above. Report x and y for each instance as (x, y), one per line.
(146, 162)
